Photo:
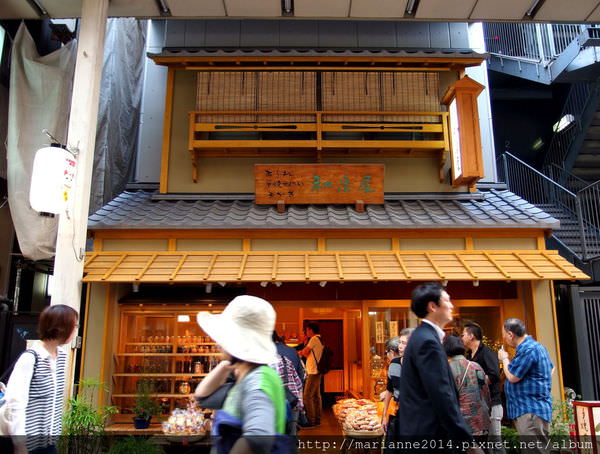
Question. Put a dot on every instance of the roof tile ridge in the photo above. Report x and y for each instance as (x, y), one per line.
(473, 217)
(450, 214)
(523, 202)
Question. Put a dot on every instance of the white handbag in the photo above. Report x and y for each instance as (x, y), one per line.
(6, 413)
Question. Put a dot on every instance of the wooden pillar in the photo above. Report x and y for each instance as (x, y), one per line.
(72, 227)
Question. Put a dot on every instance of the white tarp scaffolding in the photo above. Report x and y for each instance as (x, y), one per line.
(39, 98)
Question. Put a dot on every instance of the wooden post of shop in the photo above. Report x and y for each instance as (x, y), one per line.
(72, 227)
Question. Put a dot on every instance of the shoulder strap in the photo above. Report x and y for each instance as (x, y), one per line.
(12, 366)
(464, 376)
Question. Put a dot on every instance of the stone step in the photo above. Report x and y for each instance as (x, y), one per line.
(587, 160)
(591, 174)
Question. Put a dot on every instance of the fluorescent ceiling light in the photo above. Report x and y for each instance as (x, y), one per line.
(183, 318)
(563, 123)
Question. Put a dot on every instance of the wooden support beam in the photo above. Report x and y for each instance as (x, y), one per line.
(371, 267)
(498, 267)
(178, 267)
(339, 266)
(242, 267)
(148, 264)
(402, 265)
(434, 265)
(274, 267)
(306, 267)
(466, 266)
(210, 267)
(558, 265)
(112, 268)
(524, 262)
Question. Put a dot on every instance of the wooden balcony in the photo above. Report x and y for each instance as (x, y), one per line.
(316, 133)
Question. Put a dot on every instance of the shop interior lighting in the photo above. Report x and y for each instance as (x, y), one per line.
(475, 283)
(278, 283)
(444, 282)
(136, 287)
(264, 283)
(222, 284)
(208, 288)
(323, 283)
(183, 318)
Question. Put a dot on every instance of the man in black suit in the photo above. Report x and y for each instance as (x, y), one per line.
(428, 403)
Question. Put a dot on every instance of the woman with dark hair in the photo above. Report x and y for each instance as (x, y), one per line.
(473, 392)
(35, 390)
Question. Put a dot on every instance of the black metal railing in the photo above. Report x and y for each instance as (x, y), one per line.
(570, 124)
(580, 208)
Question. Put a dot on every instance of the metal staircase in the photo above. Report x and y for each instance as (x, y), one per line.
(541, 52)
(578, 211)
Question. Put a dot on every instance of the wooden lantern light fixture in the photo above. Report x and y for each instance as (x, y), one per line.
(466, 155)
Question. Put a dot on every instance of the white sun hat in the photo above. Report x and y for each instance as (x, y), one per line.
(244, 329)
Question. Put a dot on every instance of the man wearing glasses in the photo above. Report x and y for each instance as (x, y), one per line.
(487, 359)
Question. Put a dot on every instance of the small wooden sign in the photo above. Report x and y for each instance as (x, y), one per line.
(318, 183)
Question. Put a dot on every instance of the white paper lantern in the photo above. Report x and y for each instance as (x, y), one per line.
(52, 178)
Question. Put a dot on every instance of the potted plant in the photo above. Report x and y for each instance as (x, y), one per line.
(145, 405)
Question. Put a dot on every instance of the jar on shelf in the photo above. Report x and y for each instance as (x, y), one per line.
(184, 388)
(377, 365)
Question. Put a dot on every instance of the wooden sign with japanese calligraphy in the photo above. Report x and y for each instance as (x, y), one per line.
(318, 183)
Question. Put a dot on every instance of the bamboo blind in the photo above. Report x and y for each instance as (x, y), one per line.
(351, 91)
(298, 90)
(287, 91)
(410, 92)
(227, 90)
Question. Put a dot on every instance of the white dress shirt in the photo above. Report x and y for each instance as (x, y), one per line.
(440, 332)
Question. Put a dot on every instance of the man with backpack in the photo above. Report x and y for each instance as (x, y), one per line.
(312, 388)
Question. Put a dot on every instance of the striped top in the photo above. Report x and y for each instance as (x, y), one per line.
(36, 399)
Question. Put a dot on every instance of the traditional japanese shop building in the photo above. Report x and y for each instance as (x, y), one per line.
(329, 182)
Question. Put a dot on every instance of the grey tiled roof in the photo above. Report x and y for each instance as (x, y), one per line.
(495, 209)
(316, 52)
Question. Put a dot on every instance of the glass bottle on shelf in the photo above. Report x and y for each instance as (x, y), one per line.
(377, 364)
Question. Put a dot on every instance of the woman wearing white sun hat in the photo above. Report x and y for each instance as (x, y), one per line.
(253, 415)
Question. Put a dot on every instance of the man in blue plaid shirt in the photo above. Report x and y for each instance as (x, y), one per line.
(528, 385)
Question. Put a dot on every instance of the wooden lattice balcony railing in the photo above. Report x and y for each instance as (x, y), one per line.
(249, 133)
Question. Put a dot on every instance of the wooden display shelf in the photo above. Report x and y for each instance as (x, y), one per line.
(167, 354)
(149, 343)
(169, 343)
(157, 374)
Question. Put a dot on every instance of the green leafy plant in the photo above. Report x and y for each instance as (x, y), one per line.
(562, 418)
(145, 406)
(510, 437)
(135, 445)
(83, 422)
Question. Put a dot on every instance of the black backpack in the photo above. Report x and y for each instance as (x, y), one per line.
(325, 364)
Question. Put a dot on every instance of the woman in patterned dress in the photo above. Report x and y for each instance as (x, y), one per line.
(471, 383)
